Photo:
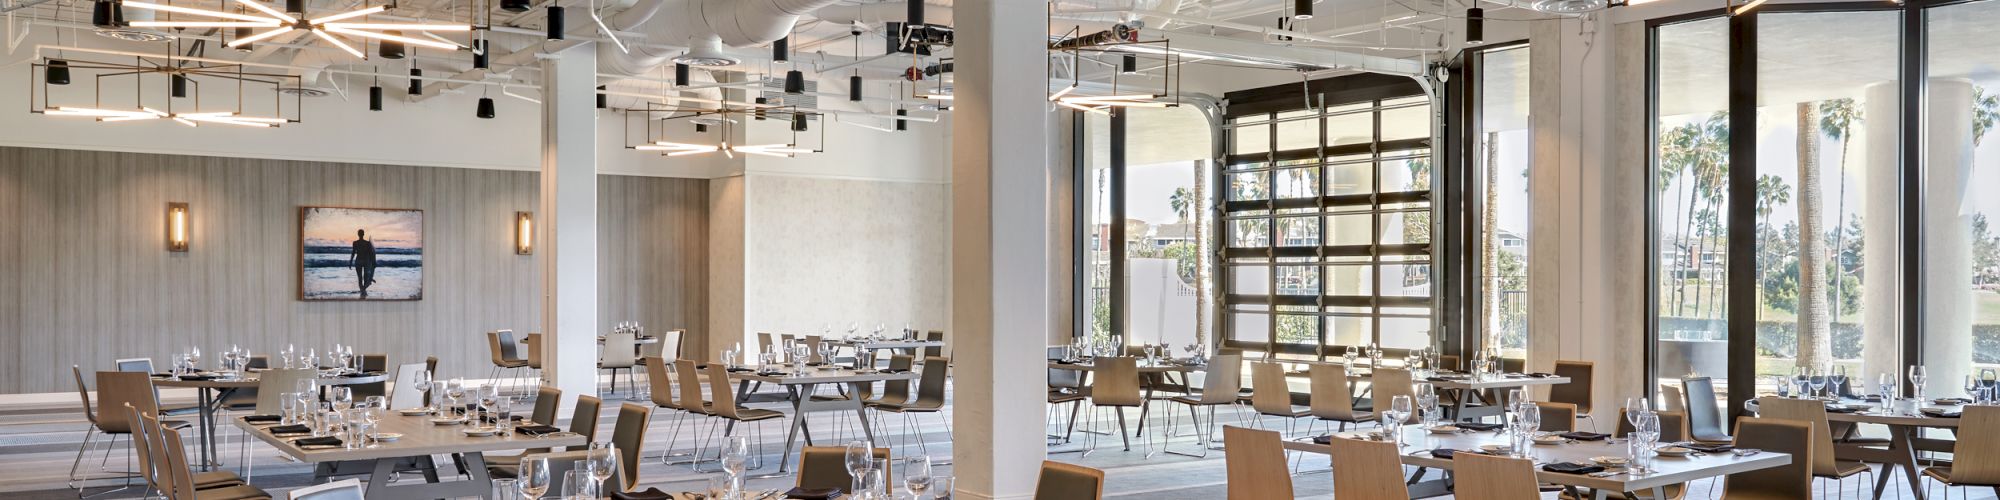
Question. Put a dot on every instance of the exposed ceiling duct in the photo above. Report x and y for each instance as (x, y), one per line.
(875, 14)
(707, 26)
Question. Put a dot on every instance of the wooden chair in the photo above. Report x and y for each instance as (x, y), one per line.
(1221, 380)
(1066, 387)
(1703, 415)
(272, 385)
(1333, 397)
(723, 405)
(812, 347)
(1976, 454)
(89, 431)
(1488, 477)
(180, 477)
(1787, 482)
(1115, 385)
(628, 435)
(1578, 390)
(930, 399)
(581, 421)
(1387, 383)
(1813, 411)
(826, 467)
(372, 363)
(1256, 462)
(936, 350)
(500, 345)
(119, 395)
(615, 355)
(1558, 417)
(1367, 469)
(1061, 481)
(1673, 426)
(1270, 395)
(147, 441)
(404, 394)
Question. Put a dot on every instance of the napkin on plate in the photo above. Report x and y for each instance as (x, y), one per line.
(536, 430)
(1327, 439)
(1477, 426)
(1842, 409)
(813, 493)
(290, 429)
(1708, 448)
(1584, 436)
(1951, 401)
(649, 494)
(318, 441)
(1937, 412)
(1444, 453)
(1573, 468)
(1542, 375)
(200, 377)
(263, 419)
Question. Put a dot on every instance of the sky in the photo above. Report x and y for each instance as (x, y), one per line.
(336, 226)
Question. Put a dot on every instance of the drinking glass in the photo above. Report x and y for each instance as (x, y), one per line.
(310, 359)
(718, 487)
(506, 489)
(857, 457)
(1351, 353)
(1428, 404)
(504, 416)
(288, 408)
(1399, 411)
(869, 483)
(454, 391)
(917, 475)
(341, 396)
(1917, 377)
(735, 458)
(1815, 382)
(603, 460)
(229, 359)
(941, 487)
(303, 403)
(489, 399)
(1836, 379)
(1530, 415)
(578, 485)
(1885, 387)
(1635, 452)
(194, 359)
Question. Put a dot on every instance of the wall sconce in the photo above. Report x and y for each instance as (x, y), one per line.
(177, 226)
(524, 233)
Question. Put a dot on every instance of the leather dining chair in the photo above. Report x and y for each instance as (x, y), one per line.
(930, 399)
(1704, 416)
(691, 403)
(1488, 477)
(548, 399)
(1673, 426)
(936, 350)
(826, 467)
(1786, 482)
(1061, 481)
(1558, 417)
(583, 420)
(723, 405)
(628, 435)
(501, 346)
(404, 393)
(1256, 464)
(180, 477)
(1578, 390)
(272, 385)
(616, 354)
(150, 442)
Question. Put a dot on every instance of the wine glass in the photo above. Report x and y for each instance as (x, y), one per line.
(1348, 357)
(341, 396)
(1917, 377)
(603, 460)
(577, 484)
(917, 475)
(489, 400)
(1836, 379)
(1815, 382)
(735, 458)
(1428, 404)
(422, 382)
(857, 457)
(454, 391)
(534, 477)
(229, 359)
(1399, 411)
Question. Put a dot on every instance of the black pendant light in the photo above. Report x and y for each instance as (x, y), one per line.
(486, 108)
(1302, 9)
(555, 22)
(781, 51)
(902, 124)
(1130, 65)
(759, 114)
(680, 75)
(391, 49)
(479, 60)
(895, 32)
(295, 6)
(107, 14)
(242, 33)
(798, 122)
(795, 82)
(602, 101)
(416, 81)
(1475, 26)
(514, 5)
(56, 73)
(179, 85)
(854, 88)
(375, 98)
(700, 128)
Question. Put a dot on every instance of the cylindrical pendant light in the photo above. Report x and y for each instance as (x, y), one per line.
(700, 128)
(555, 22)
(916, 12)
(1302, 9)
(854, 88)
(798, 122)
(375, 98)
(759, 113)
(179, 85)
(295, 6)
(56, 73)
(1475, 26)
(479, 55)
(680, 75)
(240, 34)
(902, 124)
(514, 5)
(416, 81)
(1130, 65)
(602, 102)
(781, 52)
(795, 82)
(391, 49)
(107, 14)
(485, 108)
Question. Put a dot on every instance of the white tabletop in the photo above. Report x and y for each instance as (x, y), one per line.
(1667, 470)
(420, 437)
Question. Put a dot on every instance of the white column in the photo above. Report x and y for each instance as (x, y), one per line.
(1000, 256)
(568, 249)
(1881, 221)
(1947, 250)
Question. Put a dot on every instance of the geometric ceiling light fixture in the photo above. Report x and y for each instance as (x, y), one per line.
(1074, 47)
(660, 114)
(174, 74)
(333, 29)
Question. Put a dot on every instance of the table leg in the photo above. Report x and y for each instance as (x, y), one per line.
(478, 486)
(207, 412)
(798, 423)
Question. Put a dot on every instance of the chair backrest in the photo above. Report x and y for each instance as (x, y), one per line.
(690, 385)
(1577, 391)
(1367, 469)
(764, 342)
(812, 346)
(258, 362)
(1221, 379)
(629, 436)
(1560, 417)
(176, 475)
(617, 351)
(584, 419)
(1256, 462)
(547, 401)
(509, 348)
(1332, 397)
(141, 365)
(722, 396)
(430, 365)
(1811, 411)
(936, 350)
(493, 348)
(1061, 481)
(1704, 416)
(1448, 361)
(1269, 394)
(930, 388)
(405, 394)
(897, 391)
(826, 467)
(534, 342)
(1387, 383)
(145, 445)
(375, 363)
(272, 385)
(117, 389)
(670, 344)
(349, 489)
(1673, 426)
(659, 384)
(83, 391)
(1976, 455)
(1488, 477)
(1793, 480)
(1116, 382)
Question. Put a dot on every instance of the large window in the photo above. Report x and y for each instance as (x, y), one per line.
(1690, 198)
(1503, 160)
(1165, 155)
(1327, 220)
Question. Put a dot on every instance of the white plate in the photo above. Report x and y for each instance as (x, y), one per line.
(411, 412)
(1496, 448)
(447, 421)
(1444, 429)
(480, 431)
(1551, 439)
(386, 436)
(1674, 451)
(1608, 460)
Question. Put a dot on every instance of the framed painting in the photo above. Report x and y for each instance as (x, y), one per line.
(361, 254)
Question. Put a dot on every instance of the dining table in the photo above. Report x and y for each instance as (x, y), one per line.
(1163, 367)
(903, 346)
(212, 388)
(800, 385)
(1417, 448)
(415, 436)
(1906, 425)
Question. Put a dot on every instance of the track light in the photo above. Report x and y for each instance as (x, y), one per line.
(781, 51)
(902, 124)
(1475, 26)
(602, 100)
(375, 98)
(854, 88)
(795, 82)
(798, 122)
(1130, 65)
(555, 22)
(485, 108)
(56, 73)
(179, 85)
(391, 49)
(514, 5)
(1302, 9)
(416, 81)
(759, 113)
(680, 75)
(479, 56)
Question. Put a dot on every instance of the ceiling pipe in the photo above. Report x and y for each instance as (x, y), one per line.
(735, 23)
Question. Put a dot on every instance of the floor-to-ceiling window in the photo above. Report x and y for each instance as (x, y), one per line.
(1327, 218)
(1502, 157)
(1690, 178)
(1162, 180)
(1961, 246)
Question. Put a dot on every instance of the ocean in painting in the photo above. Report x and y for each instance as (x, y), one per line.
(331, 238)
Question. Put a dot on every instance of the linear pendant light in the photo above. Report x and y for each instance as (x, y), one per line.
(781, 51)
(555, 22)
(680, 75)
(416, 81)
(1475, 26)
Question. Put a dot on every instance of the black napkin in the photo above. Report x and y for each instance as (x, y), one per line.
(895, 370)
(163, 375)
(1872, 398)
(1842, 409)
(1477, 426)
(1951, 401)
(1542, 375)
(261, 419)
(1064, 362)
(1708, 448)
(649, 494)
(813, 493)
(1327, 439)
(290, 429)
(358, 375)
(510, 418)
(318, 441)
(740, 370)
(1573, 468)
(1444, 453)
(200, 377)
(536, 430)
(1584, 436)
(1938, 412)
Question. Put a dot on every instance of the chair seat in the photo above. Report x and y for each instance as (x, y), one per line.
(512, 364)
(602, 366)
(1846, 468)
(216, 479)
(1195, 400)
(1296, 411)
(1359, 417)
(752, 415)
(180, 410)
(1943, 475)
(1063, 397)
(910, 407)
(238, 492)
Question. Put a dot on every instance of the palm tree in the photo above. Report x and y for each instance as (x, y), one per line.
(1489, 258)
(1985, 111)
(1771, 192)
(1815, 329)
(1182, 200)
(1676, 145)
(1837, 118)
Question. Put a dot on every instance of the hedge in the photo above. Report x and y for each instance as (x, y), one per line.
(1778, 338)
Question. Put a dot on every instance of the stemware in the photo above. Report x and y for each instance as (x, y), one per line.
(603, 460)
(454, 392)
(577, 484)
(422, 379)
(1399, 411)
(1836, 381)
(735, 459)
(1815, 382)
(1349, 356)
(534, 477)
(341, 396)
(857, 457)
(288, 408)
(489, 400)
(917, 475)
(1917, 377)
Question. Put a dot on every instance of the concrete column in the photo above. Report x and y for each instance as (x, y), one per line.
(1948, 305)
(1876, 162)
(1000, 261)
(568, 246)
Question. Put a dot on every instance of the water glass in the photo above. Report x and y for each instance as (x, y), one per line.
(718, 487)
(603, 460)
(941, 487)
(504, 414)
(917, 475)
(534, 478)
(1917, 377)
(870, 483)
(288, 408)
(342, 397)
(577, 484)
